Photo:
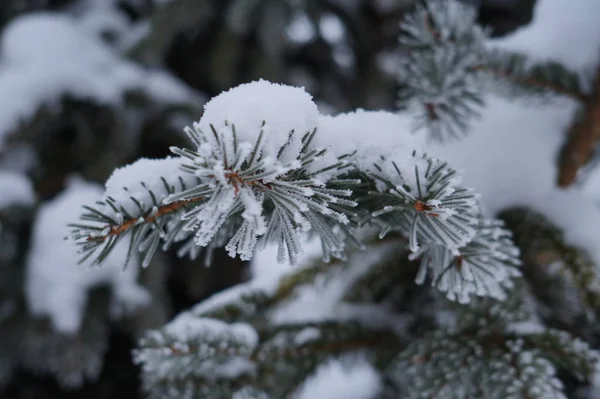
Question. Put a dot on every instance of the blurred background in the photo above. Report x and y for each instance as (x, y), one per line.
(87, 86)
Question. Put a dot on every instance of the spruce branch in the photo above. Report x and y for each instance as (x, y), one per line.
(470, 363)
(136, 212)
(242, 180)
(424, 199)
(128, 223)
(572, 354)
(226, 193)
(167, 357)
(483, 267)
(584, 136)
(516, 76)
(439, 83)
(449, 68)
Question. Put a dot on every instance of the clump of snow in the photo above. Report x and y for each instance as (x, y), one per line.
(342, 379)
(126, 182)
(186, 327)
(307, 335)
(282, 108)
(196, 337)
(15, 189)
(371, 134)
(56, 286)
(70, 60)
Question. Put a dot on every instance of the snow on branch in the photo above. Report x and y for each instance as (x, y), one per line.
(203, 354)
(254, 173)
(266, 167)
(241, 177)
(133, 205)
(450, 66)
(424, 197)
(469, 359)
(484, 267)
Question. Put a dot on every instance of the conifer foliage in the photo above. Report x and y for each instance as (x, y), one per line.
(259, 182)
(265, 172)
(387, 258)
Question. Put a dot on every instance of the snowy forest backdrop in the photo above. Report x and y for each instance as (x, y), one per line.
(91, 85)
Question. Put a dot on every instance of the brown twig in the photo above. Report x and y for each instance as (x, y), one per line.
(583, 137)
(118, 229)
(539, 84)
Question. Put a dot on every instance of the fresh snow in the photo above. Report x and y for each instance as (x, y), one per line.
(350, 377)
(331, 28)
(56, 286)
(371, 134)
(15, 189)
(186, 327)
(283, 109)
(126, 182)
(567, 32)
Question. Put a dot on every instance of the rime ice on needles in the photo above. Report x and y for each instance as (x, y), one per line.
(469, 365)
(424, 198)
(133, 206)
(260, 174)
(441, 91)
(484, 266)
(194, 346)
(441, 23)
(440, 78)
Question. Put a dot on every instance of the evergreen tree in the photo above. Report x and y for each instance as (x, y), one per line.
(392, 254)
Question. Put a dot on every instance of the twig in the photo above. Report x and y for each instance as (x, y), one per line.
(118, 229)
(583, 138)
(533, 83)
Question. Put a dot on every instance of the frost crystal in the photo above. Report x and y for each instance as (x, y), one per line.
(267, 173)
(424, 197)
(485, 266)
(440, 79)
